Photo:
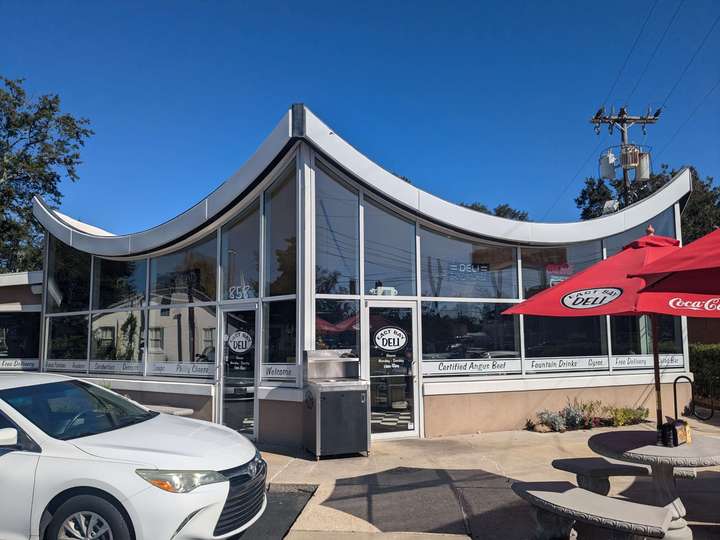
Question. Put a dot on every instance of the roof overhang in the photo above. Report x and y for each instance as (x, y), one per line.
(299, 123)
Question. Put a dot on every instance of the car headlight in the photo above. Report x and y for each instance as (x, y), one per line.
(180, 481)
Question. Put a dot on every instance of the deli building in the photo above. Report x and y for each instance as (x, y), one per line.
(312, 246)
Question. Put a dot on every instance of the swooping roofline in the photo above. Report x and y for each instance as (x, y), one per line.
(299, 123)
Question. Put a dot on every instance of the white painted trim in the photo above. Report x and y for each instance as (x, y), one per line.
(21, 278)
(278, 393)
(194, 389)
(440, 387)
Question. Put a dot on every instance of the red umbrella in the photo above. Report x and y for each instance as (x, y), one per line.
(606, 289)
(686, 282)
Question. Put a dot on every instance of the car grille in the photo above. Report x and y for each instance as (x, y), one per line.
(245, 497)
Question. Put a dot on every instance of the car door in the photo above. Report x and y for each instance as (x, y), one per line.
(17, 480)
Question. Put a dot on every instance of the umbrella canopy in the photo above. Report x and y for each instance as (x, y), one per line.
(603, 289)
(606, 289)
(686, 282)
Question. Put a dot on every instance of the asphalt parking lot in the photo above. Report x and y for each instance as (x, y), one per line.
(285, 502)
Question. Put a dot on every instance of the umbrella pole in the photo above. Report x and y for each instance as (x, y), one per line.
(656, 369)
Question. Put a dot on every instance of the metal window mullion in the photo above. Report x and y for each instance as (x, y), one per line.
(521, 318)
(89, 316)
(683, 320)
(44, 322)
(146, 310)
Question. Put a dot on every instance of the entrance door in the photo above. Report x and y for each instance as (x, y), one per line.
(239, 370)
(392, 361)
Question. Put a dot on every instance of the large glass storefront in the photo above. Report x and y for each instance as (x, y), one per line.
(414, 300)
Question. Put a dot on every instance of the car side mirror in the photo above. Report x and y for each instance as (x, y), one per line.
(8, 437)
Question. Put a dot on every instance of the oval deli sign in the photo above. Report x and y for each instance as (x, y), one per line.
(390, 338)
(240, 342)
(591, 298)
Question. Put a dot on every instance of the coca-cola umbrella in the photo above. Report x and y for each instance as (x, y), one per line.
(686, 282)
(606, 289)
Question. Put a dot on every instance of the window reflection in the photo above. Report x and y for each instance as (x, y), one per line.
(182, 335)
(281, 236)
(455, 267)
(185, 276)
(337, 325)
(118, 336)
(546, 267)
(664, 225)
(279, 326)
(240, 257)
(118, 284)
(389, 253)
(68, 278)
(19, 335)
(565, 336)
(68, 337)
(463, 330)
(633, 335)
(337, 239)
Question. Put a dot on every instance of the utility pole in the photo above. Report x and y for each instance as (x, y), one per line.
(623, 121)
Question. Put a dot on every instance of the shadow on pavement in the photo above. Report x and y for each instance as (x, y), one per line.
(473, 502)
(285, 502)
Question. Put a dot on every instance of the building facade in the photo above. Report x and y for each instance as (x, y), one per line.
(311, 245)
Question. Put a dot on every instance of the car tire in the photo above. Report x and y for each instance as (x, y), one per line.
(84, 507)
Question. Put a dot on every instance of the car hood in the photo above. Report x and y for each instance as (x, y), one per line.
(171, 442)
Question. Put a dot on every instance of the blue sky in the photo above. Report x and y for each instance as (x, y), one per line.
(476, 101)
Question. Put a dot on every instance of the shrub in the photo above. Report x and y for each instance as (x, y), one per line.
(626, 416)
(580, 414)
(553, 420)
(705, 365)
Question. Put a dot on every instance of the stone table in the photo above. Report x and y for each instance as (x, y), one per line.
(641, 447)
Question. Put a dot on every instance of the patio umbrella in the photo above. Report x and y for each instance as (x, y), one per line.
(686, 282)
(606, 289)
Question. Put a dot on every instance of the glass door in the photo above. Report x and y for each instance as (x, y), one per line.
(392, 361)
(239, 360)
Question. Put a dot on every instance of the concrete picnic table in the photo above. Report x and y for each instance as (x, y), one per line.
(641, 447)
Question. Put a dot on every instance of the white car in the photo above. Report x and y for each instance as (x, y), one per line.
(79, 462)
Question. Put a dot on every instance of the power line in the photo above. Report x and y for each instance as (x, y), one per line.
(655, 50)
(629, 54)
(692, 59)
(692, 113)
(567, 186)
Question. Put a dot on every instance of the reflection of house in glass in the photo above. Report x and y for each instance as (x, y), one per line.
(310, 245)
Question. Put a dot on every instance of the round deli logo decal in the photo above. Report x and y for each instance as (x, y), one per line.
(591, 298)
(390, 338)
(711, 304)
(240, 342)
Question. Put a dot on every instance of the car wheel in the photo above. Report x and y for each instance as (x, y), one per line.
(87, 517)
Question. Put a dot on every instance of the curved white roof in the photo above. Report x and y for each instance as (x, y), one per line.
(299, 123)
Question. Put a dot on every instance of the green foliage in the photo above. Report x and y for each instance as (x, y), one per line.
(501, 210)
(626, 416)
(553, 420)
(39, 146)
(580, 414)
(705, 365)
(701, 215)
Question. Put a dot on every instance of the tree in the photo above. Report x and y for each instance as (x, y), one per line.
(700, 216)
(502, 210)
(39, 146)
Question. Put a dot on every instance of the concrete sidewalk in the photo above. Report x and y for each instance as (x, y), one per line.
(458, 487)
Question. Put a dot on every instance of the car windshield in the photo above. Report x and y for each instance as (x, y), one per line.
(71, 409)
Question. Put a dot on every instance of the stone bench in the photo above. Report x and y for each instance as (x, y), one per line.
(560, 507)
(594, 473)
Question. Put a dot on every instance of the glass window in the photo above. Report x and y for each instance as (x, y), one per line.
(19, 335)
(545, 267)
(118, 284)
(68, 279)
(240, 257)
(337, 238)
(337, 325)
(664, 225)
(468, 330)
(281, 236)
(118, 336)
(185, 276)
(389, 253)
(633, 335)
(279, 335)
(553, 337)
(67, 340)
(454, 267)
(178, 341)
